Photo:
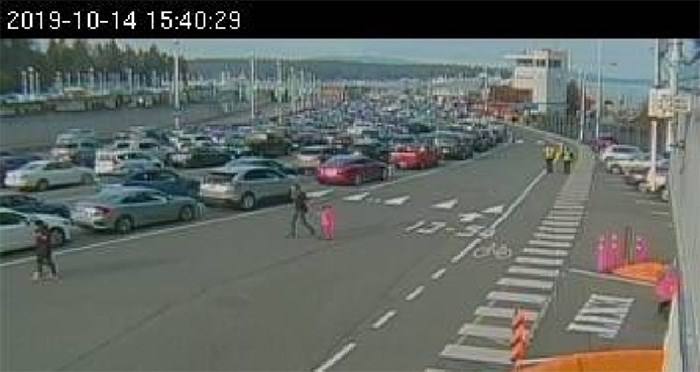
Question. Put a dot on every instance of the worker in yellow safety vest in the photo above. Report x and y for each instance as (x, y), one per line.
(549, 156)
(567, 157)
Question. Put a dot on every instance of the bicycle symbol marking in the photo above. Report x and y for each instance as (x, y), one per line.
(500, 252)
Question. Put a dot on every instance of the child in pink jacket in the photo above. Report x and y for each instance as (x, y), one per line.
(328, 222)
(666, 288)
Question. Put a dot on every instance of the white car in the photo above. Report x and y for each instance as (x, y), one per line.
(17, 229)
(620, 152)
(42, 174)
(122, 162)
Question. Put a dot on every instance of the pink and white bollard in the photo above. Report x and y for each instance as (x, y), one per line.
(601, 255)
(615, 253)
(641, 249)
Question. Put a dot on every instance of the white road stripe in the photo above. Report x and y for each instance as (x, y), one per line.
(336, 358)
(498, 209)
(526, 283)
(598, 319)
(539, 261)
(319, 193)
(466, 250)
(551, 244)
(517, 297)
(547, 252)
(503, 312)
(591, 329)
(568, 206)
(476, 353)
(415, 226)
(561, 223)
(356, 197)
(566, 237)
(620, 300)
(384, 319)
(487, 331)
(604, 310)
(560, 230)
(563, 218)
(416, 292)
(547, 273)
(566, 212)
(448, 204)
(436, 275)
(397, 201)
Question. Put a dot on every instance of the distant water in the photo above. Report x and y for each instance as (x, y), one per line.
(633, 91)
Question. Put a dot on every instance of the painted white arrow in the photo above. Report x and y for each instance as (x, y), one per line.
(318, 194)
(448, 204)
(397, 201)
(469, 217)
(356, 197)
(494, 210)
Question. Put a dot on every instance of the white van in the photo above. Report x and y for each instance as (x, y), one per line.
(119, 162)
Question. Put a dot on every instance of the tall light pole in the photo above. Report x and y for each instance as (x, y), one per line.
(657, 83)
(252, 88)
(599, 98)
(176, 83)
(673, 85)
(583, 105)
(278, 92)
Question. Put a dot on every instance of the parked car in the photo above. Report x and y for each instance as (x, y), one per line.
(310, 157)
(603, 142)
(17, 229)
(42, 174)
(453, 146)
(620, 152)
(124, 162)
(634, 177)
(10, 162)
(245, 186)
(198, 157)
(79, 150)
(164, 180)
(373, 149)
(622, 166)
(351, 170)
(123, 208)
(415, 156)
(263, 162)
(29, 204)
(661, 178)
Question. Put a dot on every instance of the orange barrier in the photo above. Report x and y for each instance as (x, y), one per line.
(603, 361)
(519, 340)
(645, 271)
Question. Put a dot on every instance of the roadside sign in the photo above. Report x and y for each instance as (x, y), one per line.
(660, 103)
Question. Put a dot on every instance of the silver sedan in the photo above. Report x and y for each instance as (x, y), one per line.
(123, 208)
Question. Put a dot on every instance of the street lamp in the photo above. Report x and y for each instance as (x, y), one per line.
(176, 84)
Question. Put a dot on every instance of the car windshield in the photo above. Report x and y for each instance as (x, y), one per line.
(33, 166)
(219, 177)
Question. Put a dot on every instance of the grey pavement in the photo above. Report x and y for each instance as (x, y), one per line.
(231, 293)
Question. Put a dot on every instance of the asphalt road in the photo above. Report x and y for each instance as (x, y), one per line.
(232, 293)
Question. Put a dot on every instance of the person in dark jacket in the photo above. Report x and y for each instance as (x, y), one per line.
(42, 236)
(301, 208)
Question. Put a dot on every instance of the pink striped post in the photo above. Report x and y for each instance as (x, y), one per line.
(601, 255)
(641, 249)
(616, 258)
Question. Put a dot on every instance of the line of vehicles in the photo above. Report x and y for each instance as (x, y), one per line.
(139, 183)
(634, 165)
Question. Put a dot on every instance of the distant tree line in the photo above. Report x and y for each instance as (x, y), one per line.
(332, 70)
(75, 56)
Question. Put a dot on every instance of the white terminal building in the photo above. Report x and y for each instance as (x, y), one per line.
(545, 73)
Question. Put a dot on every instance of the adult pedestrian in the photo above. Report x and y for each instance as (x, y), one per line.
(43, 251)
(549, 155)
(301, 208)
(567, 157)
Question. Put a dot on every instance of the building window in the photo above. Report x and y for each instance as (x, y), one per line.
(524, 62)
(555, 63)
(540, 63)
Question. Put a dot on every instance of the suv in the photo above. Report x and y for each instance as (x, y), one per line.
(453, 146)
(245, 186)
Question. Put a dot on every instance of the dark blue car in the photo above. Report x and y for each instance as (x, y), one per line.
(164, 180)
(28, 204)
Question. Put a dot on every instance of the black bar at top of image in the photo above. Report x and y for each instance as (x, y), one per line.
(349, 19)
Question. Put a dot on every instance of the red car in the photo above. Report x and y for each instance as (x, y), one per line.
(351, 170)
(414, 156)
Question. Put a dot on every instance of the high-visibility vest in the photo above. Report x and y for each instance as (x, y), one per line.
(567, 156)
(549, 152)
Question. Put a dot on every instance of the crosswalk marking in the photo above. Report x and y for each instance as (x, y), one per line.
(487, 331)
(504, 312)
(434, 227)
(614, 299)
(547, 273)
(476, 353)
(448, 204)
(356, 197)
(415, 226)
(397, 201)
(603, 331)
(539, 261)
(498, 209)
(568, 206)
(602, 315)
(517, 297)
(560, 230)
(561, 223)
(567, 237)
(319, 193)
(566, 212)
(551, 244)
(546, 252)
(598, 319)
(603, 310)
(526, 283)
(556, 217)
(469, 217)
